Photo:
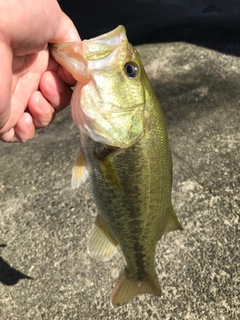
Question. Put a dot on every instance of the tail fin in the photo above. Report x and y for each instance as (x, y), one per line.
(127, 288)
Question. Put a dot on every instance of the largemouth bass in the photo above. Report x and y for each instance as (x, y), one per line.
(125, 153)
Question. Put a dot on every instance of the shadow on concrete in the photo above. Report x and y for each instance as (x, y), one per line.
(8, 275)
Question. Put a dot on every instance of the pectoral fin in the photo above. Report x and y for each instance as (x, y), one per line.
(79, 172)
(101, 244)
(173, 223)
(109, 172)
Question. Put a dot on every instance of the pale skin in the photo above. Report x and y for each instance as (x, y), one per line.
(33, 86)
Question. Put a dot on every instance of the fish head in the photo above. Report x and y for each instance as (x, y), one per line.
(108, 103)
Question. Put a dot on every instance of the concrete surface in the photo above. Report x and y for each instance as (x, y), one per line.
(45, 270)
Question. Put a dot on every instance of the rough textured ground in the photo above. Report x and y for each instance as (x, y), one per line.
(45, 272)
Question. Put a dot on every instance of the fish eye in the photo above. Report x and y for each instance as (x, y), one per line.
(131, 69)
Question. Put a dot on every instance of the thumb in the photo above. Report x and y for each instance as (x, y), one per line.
(66, 31)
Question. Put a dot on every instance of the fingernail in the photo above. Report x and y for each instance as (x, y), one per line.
(8, 136)
(41, 105)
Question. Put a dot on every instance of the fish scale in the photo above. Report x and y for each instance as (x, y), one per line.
(139, 208)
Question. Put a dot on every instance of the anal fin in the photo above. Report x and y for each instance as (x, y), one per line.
(79, 172)
(173, 223)
(101, 244)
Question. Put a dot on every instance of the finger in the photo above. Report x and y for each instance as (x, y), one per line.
(7, 136)
(41, 110)
(63, 74)
(23, 130)
(66, 31)
(55, 90)
(5, 84)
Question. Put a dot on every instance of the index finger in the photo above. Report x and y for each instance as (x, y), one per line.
(64, 75)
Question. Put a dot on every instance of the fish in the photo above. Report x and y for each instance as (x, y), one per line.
(125, 153)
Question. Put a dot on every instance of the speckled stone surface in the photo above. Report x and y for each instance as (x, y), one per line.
(45, 271)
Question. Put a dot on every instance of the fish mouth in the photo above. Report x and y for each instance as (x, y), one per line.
(79, 58)
(102, 51)
(69, 55)
(112, 37)
(102, 46)
(91, 63)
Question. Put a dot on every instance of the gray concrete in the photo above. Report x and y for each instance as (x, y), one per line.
(45, 270)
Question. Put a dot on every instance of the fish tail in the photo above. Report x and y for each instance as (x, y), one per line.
(127, 288)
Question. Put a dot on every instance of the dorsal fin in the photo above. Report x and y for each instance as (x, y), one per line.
(173, 223)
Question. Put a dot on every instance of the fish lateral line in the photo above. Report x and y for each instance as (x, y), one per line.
(130, 195)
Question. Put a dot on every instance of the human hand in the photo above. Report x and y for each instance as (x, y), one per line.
(33, 86)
